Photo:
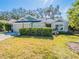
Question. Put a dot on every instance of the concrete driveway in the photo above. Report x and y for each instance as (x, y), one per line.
(3, 36)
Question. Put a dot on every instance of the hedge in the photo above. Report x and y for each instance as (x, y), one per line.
(36, 31)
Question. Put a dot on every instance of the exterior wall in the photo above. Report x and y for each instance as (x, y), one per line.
(17, 26)
(39, 25)
(66, 26)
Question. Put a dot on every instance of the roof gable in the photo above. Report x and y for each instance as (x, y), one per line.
(30, 18)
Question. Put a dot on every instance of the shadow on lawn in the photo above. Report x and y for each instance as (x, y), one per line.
(37, 37)
(77, 35)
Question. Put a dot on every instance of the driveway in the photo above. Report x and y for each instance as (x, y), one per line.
(74, 46)
(3, 36)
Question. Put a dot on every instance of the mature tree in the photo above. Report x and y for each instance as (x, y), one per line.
(73, 15)
(3, 15)
(18, 13)
(52, 11)
(13, 14)
(48, 11)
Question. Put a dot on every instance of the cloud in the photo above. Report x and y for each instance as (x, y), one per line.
(46, 1)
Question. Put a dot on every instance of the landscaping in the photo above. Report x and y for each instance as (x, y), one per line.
(36, 32)
(44, 29)
(38, 47)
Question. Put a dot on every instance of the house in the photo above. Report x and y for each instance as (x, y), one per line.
(57, 24)
(27, 22)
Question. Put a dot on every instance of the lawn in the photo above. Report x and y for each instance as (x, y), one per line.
(38, 48)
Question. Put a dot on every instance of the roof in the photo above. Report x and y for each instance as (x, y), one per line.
(12, 21)
(28, 19)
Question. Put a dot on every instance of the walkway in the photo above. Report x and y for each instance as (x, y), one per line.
(3, 37)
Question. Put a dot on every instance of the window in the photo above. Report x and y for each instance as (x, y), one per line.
(61, 28)
(48, 25)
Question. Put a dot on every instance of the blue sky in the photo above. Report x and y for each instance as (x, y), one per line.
(33, 4)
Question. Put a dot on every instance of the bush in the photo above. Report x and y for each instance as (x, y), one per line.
(36, 31)
(66, 33)
(8, 27)
(1, 26)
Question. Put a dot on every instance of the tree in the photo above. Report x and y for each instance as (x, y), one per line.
(48, 11)
(18, 13)
(38, 13)
(13, 14)
(73, 15)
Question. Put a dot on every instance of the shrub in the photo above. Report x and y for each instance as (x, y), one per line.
(1, 26)
(66, 33)
(8, 27)
(36, 31)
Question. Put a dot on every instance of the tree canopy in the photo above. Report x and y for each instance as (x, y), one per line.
(73, 15)
(21, 12)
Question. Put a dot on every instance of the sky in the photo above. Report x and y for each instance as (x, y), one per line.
(34, 4)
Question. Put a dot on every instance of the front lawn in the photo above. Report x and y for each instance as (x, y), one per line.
(38, 48)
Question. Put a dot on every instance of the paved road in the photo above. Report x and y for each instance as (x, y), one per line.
(3, 37)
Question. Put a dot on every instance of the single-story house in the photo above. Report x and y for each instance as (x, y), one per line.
(27, 22)
(32, 22)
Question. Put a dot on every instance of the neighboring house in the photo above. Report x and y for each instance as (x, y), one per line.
(57, 24)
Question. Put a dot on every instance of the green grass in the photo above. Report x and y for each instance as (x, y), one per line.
(38, 48)
(1, 32)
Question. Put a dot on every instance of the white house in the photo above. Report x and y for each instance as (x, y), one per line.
(57, 24)
(27, 22)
